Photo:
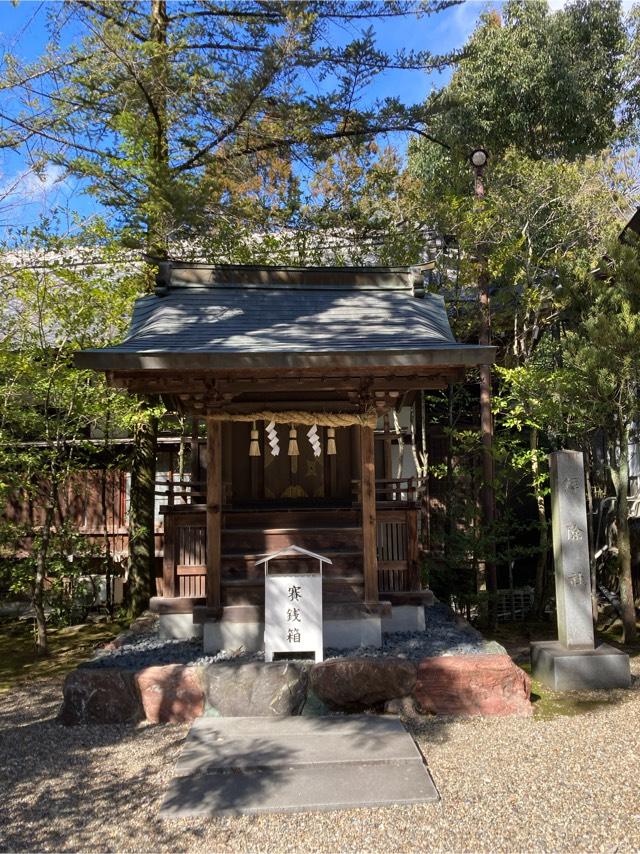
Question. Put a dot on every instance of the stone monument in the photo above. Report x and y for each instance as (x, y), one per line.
(573, 662)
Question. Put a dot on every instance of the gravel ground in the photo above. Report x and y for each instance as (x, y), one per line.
(442, 636)
(517, 785)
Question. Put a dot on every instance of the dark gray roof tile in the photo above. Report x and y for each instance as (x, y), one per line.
(250, 321)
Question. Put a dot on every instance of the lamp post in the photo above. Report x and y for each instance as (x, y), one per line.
(478, 159)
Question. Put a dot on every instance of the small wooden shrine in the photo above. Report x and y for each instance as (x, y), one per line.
(293, 371)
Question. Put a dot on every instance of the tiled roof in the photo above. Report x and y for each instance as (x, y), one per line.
(282, 316)
(254, 321)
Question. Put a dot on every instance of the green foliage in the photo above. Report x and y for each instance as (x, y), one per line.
(68, 591)
(56, 301)
(548, 83)
(601, 352)
(48, 312)
(539, 227)
(197, 122)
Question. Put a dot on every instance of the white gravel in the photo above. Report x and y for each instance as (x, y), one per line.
(515, 785)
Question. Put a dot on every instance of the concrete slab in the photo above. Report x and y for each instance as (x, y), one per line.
(216, 747)
(377, 725)
(564, 669)
(259, 765)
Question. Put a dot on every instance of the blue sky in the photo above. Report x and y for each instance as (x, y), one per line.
(24, 197)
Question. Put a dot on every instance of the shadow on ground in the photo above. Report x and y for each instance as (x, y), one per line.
(100, 787)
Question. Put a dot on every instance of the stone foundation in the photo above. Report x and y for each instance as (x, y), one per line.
(345, 626)
(452, 685)
(404, 618)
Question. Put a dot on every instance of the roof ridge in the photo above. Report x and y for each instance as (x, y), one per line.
(185, 275)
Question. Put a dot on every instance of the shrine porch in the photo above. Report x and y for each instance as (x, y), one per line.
(335, 532)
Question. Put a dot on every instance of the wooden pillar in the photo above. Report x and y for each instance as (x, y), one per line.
(413, 578)
(368, 499)
(388, 459)
(195, 460)
(169, 580)
(214, 511)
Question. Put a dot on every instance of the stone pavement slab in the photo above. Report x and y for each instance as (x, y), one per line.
(260, 765)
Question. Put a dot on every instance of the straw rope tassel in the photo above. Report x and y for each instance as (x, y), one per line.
(254, 447)
(331, 441)
(293, 448)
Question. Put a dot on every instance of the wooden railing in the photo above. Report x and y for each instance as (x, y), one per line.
(405, 490)
(181, 492)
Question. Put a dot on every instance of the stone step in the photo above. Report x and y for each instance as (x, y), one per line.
(252, 766)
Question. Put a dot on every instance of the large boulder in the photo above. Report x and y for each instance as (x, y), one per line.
(352, 684)
(100, 696)
(171, 693)
(470, 685)
(255, 689)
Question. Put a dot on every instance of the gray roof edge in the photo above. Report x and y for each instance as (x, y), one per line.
(448, 355)
(294, 268)
(184, 274)
(280, 286)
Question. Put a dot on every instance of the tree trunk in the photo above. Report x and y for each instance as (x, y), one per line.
(592, 550)
(448, 510)
(142, 516)
(37, 599)
(543, 528)
(106, 541)
(621, 483)
(143, 470)
(487, 492)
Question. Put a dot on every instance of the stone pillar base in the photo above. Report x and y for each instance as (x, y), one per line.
(563, 669)
(178, 627)
(404, 618)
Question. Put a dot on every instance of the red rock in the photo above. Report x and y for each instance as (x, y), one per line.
(171, 693)
(100, 696)
(359, 683)
(470, 685)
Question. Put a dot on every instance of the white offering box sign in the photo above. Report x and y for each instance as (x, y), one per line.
(293, 607)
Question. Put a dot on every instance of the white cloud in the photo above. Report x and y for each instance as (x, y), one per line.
(32, 186)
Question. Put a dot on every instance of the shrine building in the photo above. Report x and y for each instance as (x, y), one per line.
(297, 374)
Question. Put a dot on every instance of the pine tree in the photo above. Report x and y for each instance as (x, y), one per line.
(168, 109)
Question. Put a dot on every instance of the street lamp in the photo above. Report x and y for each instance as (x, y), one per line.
(478, 159)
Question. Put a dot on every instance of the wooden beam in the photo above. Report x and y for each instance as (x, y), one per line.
(224, 386)
(169, 581)
(368, 500)
(214, 511)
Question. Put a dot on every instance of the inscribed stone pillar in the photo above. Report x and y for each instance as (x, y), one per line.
(571, 550)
